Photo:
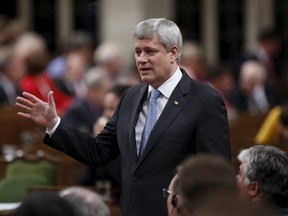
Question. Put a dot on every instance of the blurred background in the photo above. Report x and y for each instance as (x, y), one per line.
(223, 27)
(82, 50)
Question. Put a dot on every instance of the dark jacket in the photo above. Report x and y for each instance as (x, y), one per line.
(193, 121)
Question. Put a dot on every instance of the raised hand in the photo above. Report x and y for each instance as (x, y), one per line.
(42, 113)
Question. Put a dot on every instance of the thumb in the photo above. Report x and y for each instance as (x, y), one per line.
(51, 99)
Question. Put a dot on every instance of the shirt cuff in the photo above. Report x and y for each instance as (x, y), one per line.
(50, 132)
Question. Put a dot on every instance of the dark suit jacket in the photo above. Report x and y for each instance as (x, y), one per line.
(194, 120)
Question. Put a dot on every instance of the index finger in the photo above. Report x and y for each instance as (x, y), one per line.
(30, 97)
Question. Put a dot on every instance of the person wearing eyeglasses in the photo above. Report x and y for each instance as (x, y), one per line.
(156, 125)
(172, 197)
(202, 179)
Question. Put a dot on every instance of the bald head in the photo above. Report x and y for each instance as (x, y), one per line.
(252, 74)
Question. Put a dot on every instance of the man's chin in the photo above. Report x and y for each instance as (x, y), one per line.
(145, 78)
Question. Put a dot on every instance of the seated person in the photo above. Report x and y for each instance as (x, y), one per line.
(172, 197)
(85, 202)
(252, 94)
(44, 203)
(263, 177)
(215, 177)
(274, 130)
(83, 112)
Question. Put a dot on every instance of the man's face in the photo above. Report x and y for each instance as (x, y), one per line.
(169, 199)
(173, 210)
(242, 187)
(154, 63)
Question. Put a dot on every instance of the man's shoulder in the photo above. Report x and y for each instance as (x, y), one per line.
(202, 88)
(195, 86)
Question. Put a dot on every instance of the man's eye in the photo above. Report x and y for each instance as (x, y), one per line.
(151, 52)
(137, 53)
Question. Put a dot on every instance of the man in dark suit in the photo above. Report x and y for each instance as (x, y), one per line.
(191, 118)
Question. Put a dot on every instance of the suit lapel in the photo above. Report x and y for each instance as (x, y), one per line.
(137, 106)
(174, 105)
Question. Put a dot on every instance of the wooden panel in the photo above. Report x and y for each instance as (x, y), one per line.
(17, 130)
(243, 131)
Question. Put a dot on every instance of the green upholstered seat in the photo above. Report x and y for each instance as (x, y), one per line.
(14, 189)
(22, 174)
(42, 168)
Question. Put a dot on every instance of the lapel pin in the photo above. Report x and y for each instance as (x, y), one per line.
(176, 103)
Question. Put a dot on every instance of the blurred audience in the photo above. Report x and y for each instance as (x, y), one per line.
(111, 99)
(72, 81)
(215, 178)
(3, 26)
(31, 48)
(15, 28)
(85, 201)
(79, 42)
(252, 94)
(10, 30)
(44, 203)
(108, 56)
(193, 61)
(11, 73)
(274, 129)
(221, 79)
(263, 177)
(84, 112)
(266, 52)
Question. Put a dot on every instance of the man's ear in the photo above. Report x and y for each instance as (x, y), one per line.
(174, 54)
(182, 210)
(253, 189)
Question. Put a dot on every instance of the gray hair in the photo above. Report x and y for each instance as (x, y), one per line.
(268, 165)
(107, 52)
(95, 77)
(85, 202)
(168, 33)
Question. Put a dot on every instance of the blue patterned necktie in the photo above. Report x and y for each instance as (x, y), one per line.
(151, 119)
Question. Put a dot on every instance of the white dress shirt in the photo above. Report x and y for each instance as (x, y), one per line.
(166, 90)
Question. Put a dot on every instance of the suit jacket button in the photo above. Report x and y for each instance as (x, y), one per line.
(135, 178)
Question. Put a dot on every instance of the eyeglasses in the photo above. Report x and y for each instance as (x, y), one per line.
(166, 192)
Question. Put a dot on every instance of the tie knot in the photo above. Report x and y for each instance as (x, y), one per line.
(155, 93)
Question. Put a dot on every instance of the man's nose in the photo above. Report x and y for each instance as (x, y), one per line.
(143, 57)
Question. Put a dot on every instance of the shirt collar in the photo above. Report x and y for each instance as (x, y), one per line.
(167, 87)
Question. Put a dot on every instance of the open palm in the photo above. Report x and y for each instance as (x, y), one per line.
(42, 113)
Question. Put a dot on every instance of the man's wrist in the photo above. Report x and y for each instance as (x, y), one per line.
(50, 131)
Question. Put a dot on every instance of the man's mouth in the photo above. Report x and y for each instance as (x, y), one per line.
(143, 70)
